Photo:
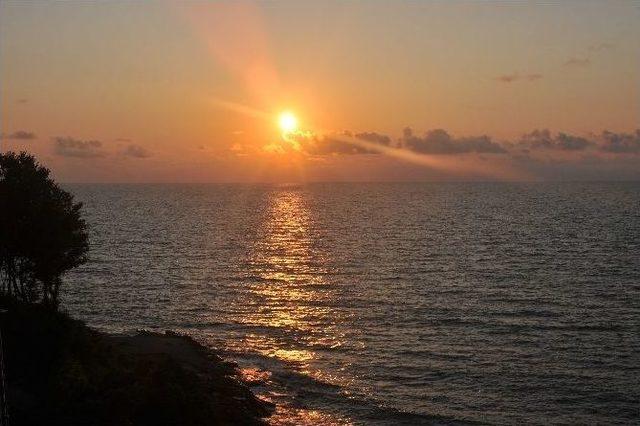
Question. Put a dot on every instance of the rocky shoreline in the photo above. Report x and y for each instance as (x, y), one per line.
(59, 371)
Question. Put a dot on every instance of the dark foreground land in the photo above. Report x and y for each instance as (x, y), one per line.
(59, 371)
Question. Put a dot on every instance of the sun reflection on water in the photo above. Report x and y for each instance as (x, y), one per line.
(290, 288)
(288, 304)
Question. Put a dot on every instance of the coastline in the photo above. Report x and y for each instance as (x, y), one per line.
(61, 371)
(233, 397)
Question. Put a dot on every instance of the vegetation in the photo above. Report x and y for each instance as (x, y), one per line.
(58, 370)
(42, 234)
(61, 372)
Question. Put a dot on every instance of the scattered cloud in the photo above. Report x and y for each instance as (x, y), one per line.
(70, 147)
(578, 62)
(508, 78)
(585, 60)
(543, 139)
(20, 135)
(337, 143)
(434, 142)
(621, 143)
(600, 47)
(136, 151)
(438, 141)
(374, 137)
(511, 78)
(340, 143)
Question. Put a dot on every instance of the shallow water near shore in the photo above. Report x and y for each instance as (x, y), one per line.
(403, 303)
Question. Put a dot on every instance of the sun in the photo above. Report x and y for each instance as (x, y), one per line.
(288, 122)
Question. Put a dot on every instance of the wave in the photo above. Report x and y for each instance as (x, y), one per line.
(297, 391)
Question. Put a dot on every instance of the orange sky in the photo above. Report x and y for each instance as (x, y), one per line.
(163, 92)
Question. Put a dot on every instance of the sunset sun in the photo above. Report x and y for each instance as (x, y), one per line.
(287, 122)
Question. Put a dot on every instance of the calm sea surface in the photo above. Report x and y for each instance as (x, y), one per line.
(385, 303)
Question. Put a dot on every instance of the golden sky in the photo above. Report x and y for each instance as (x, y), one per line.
(192, 91)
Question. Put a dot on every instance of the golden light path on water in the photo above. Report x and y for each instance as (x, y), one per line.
(290, 293)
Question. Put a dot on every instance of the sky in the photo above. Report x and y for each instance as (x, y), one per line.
(126, 91)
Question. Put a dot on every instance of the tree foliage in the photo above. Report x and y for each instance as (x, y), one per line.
(42, 233)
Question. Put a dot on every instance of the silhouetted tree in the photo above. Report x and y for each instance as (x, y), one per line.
(42, 233)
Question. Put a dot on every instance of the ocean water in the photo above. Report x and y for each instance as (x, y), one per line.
(404, 303)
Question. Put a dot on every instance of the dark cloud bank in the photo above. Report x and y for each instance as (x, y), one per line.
(545, 140)
(621, 143)
(339, 143)
(440, 142)
(538, 155)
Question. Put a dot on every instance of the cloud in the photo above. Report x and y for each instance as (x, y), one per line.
(20, 135)
(572, 143)
(374, 137)
(600, 47)
(578, 62)
(585, 60)
(510, 78)
(621, 143)
(22, 101)
(438, 141)
(434, 142)
(541, 149)
(70, 147)
(543, 139)
(136, 151)
(339, 143)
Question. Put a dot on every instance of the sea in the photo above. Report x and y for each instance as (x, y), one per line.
(384, 303)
